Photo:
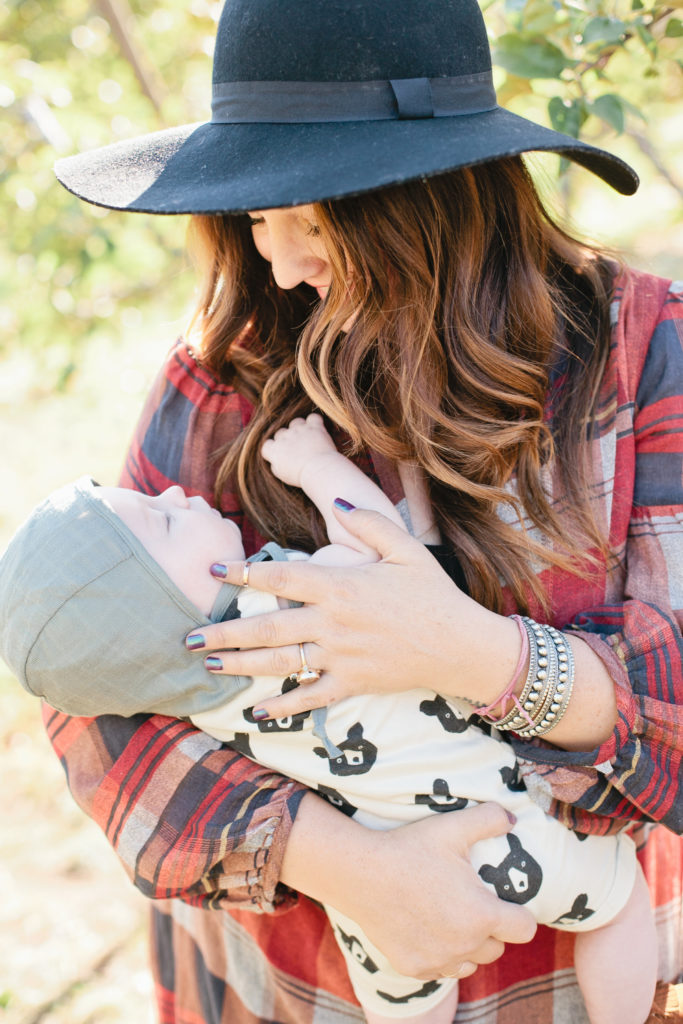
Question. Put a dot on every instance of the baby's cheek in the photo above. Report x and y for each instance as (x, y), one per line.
(205, 593)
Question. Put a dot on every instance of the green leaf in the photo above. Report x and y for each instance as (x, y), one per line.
(610, 109)
(530, 58)
(631, 108)
(637, 5)
(646, 38)
(674, 29)
(566, 115)
(607, 31)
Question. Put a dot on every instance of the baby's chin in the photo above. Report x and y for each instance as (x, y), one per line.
(203, 593)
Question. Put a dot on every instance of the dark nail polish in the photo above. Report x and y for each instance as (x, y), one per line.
(219, 570)
(195, 642)
(259, 714)
(344, 505)
(213, 663)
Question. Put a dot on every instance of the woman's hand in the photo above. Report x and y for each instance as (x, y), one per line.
(411, 889)
(393, 625)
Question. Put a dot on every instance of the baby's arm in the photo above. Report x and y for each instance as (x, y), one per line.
(303, 455)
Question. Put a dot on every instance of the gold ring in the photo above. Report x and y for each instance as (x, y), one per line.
(245, 574)
(306, 674)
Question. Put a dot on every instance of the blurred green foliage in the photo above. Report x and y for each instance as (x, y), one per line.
(599, 62)
(87, 72)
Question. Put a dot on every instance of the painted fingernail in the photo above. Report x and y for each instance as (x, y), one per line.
(344, 505)
(511, 817)
(213, 663)
(259, 714)
(219, 570)
(195, 642)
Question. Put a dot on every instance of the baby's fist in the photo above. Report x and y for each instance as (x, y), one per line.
(292, 448)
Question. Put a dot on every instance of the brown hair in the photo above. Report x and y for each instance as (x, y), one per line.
(468, 303)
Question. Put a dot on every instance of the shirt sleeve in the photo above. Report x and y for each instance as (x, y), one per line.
(188, 816)
(636, 775)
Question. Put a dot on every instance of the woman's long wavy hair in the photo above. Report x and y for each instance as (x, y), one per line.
(472, 316)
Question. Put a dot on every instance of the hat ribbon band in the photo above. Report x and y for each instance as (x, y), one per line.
(375, 100)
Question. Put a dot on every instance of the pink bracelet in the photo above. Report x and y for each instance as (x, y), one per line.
(507, 693)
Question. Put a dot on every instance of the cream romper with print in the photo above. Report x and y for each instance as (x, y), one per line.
(391, 759)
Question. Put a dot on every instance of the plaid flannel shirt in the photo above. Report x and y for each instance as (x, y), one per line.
(202, 830)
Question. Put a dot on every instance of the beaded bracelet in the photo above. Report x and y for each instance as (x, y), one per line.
(560, 687)
(548, 685)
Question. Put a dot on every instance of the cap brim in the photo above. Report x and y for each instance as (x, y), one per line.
(230, 168)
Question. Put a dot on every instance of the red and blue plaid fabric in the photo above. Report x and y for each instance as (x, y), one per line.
(202, 830)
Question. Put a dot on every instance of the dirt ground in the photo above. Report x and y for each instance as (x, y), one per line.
(72, 927)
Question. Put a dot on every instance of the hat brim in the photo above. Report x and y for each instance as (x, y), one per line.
(231, 168)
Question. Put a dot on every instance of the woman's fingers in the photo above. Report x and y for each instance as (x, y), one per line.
(305, 697)
(274, 629)
(297, 581)
(301, 581)
(485, 821)
(266, 661)
(376, 531)
(488, 952)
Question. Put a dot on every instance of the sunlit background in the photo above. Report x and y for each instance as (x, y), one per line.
(90, 300)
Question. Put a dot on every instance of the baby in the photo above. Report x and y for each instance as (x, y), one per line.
(100, 585)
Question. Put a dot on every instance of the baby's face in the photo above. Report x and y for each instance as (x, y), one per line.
(184, 535)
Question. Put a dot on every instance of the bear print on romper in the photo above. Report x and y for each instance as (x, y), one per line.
(518, 877)
(357, 755)
(440, 798)
(447, 716)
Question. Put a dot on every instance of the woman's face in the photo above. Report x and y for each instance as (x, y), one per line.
(290, 240)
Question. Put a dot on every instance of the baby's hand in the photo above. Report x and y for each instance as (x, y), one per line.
(294, 448)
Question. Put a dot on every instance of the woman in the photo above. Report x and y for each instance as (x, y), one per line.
(460, 343)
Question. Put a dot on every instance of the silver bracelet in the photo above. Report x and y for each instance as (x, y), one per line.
(548, 685)
(559, 687)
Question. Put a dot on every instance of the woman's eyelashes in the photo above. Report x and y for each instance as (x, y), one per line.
(310, 229)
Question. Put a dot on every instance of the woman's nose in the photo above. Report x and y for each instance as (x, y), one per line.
(291, 259)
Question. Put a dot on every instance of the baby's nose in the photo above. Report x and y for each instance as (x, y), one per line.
(176, 495)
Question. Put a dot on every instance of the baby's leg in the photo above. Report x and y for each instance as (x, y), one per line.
(616, 965)
(443, 1013)
(385, 995)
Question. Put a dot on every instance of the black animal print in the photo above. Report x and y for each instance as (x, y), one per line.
(518, 877)
(357, 951)
(440, 798)
(357, 754)
(240, 743)
(292, 723)
(512, 778)
(447, 716)
(426, 990)
(579, 912)
(337, 800)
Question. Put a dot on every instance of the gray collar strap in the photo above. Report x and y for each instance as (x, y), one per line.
(376, 100)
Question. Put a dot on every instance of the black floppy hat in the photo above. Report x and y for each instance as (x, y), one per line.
(319, 99)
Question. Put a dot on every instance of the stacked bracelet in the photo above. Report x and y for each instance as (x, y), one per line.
(548, 685)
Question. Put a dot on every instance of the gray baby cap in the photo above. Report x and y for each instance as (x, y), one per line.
(91, 623)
